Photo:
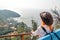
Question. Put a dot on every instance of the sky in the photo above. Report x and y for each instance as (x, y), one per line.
(27, 4)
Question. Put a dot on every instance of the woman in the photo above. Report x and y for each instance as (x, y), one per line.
(46, 25)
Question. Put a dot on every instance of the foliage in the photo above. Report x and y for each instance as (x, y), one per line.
(57, 18)
(22, 27)
(34, 25)
(4, 31)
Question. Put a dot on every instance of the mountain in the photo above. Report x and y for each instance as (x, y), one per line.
(4, 23)
(7, 14)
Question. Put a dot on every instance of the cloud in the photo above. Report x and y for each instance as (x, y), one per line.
(40, 4)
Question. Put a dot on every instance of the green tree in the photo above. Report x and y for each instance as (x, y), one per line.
(57, 17)
(22, 27)
(34, 25)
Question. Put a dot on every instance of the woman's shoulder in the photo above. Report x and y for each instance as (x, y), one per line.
(45, 26)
